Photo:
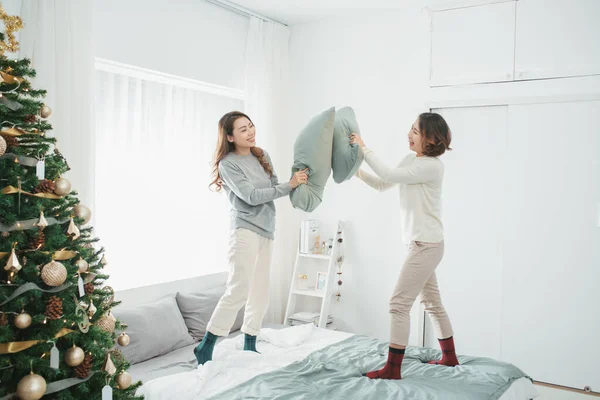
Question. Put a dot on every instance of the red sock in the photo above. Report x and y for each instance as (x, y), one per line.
(391, 369)
(448, 353)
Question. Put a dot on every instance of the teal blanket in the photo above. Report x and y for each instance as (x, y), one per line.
(335, 372)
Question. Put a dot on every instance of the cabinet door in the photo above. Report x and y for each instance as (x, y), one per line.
(557, 38)
(470, 275)
(473, 44)
(550, 317)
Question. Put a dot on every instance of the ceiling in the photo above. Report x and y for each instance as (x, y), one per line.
(296, 12)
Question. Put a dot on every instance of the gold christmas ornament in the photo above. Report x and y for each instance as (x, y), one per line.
(82, 212)
(108, 300)
(62, 187)
(54, 273)
(89, 277)
(45, 112)
(74, 356)
(31, 387)
(42, 223)
(123, 380)
(12, 265)
(73, 230)
(12, 24)
(91, 309)
(3, 146)
(109, 366)
(107, 323)
(23, 320)
(82, 265)
(123, 339)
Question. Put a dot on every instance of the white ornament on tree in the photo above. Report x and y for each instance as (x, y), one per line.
(3, 146)
(73, 230)
(42, 223)
(12, 265)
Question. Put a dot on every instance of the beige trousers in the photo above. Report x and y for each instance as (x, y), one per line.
(248, 283)
(417, 278)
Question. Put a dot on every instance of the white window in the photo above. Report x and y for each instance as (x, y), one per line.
(156, 135)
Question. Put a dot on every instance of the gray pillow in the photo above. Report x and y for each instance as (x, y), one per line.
(155, 329)
(346, 157)
(312, 150)
(197, 308)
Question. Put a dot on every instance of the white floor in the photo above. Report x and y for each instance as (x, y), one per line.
(547, 393)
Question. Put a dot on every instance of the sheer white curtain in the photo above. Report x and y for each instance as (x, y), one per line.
(155, 214)
(57, 38)
(267, 67)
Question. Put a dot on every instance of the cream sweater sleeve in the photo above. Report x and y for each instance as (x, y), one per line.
(373, 181)
(426, 170)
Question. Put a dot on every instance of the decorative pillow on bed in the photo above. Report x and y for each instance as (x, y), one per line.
(155, 329)
(346, 157)
(197, 308)
(312, 150)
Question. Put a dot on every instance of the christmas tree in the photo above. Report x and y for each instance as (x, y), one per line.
(57, 333)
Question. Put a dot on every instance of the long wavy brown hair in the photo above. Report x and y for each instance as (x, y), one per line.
(225, 147)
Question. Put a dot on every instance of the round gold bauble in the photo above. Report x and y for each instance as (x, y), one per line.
(82, 212)
(31, 387)
(45, 112)
(107, 323)
(23, 320)
(62, 187)
(123, 339)
(74, 356)
(54, 273)
(82, 265)
(123, 380)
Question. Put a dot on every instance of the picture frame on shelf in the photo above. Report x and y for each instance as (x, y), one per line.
(321, 281)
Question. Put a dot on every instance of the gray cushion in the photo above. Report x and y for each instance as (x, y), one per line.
(346, 157)
(197, 308)
(155, 329)
(312, 150)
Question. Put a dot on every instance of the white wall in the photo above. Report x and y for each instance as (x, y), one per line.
(188, 38)
(378, 64)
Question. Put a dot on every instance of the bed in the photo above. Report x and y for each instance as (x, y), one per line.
(306, 362)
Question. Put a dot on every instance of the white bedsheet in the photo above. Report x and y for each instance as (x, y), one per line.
(279, 348)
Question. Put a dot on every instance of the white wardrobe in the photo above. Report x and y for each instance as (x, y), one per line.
(521, 274)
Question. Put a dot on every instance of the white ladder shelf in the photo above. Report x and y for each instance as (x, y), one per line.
(325, 294)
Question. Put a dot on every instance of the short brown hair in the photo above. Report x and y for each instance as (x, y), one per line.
(436, 134)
